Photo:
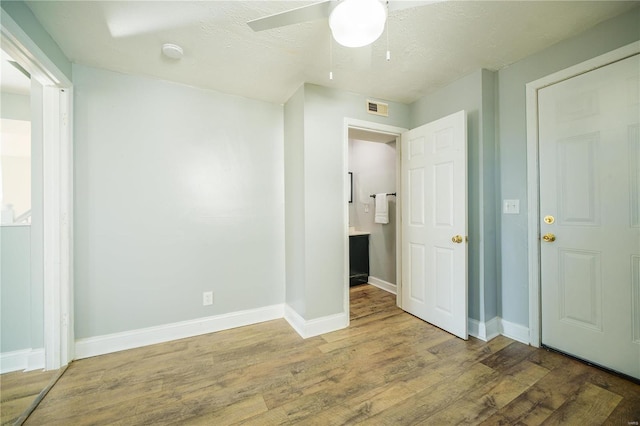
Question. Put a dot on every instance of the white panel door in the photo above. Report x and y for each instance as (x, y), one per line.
(590, 203)
(434, 223)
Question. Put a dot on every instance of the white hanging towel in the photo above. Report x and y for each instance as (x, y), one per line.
(382, 208)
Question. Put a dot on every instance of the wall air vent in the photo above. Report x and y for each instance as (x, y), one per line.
(377, 108)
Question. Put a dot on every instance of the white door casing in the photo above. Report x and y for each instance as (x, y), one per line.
(589, 156)
(434, 223)
(354, 123)
(56, 123)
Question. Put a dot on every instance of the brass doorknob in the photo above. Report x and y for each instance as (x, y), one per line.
(457, 239)
(549, 238)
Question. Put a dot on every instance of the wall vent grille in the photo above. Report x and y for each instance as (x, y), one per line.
(377, 108)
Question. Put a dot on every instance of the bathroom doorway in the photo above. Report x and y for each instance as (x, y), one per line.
(372, 153)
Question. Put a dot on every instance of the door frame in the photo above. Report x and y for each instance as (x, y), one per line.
(533, 176)
(353, 123)
(57, 112)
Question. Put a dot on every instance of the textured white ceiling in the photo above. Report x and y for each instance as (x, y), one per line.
(430, 45)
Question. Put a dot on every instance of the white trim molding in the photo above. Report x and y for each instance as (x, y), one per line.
(54, 121)
(533, 201)
(383, 285)
(484, 330)
(317, 326)
(497, 326)
(22, 360)
(116, 342)
(355, 123)
(514, 331)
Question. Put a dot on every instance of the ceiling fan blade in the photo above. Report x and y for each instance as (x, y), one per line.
(407, 4)
(294, 16)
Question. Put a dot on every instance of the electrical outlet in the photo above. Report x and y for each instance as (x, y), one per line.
(207, 298)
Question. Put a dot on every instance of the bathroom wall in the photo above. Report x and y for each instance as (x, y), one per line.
(373, 165)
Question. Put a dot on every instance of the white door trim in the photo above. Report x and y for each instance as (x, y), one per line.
(380, 128)
(57, 191)
(533, 188)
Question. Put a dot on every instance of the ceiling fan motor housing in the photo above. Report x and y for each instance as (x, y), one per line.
(357, 23)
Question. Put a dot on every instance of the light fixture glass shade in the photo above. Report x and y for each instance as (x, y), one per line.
(357, 23)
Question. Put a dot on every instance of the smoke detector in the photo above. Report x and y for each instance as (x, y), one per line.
(172, 51)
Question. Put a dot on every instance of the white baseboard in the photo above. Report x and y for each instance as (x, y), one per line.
(382, 284)
(484, 330)
(493, 328)
(514, 331)
(101, 345)
(315, 327)
(22, 360)
(475, 329)
(33, 359)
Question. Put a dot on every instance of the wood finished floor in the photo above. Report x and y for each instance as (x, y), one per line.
(387, 368)
(18, 390)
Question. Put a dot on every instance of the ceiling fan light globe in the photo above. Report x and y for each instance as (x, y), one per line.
(357, 23)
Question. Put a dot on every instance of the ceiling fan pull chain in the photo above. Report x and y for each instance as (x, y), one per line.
(330, 57)
(387, 24)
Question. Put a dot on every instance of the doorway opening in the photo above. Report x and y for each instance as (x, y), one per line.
(372, 234)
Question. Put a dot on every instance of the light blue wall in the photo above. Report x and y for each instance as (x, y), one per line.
(324, 167)
(15, 288)
(607, 36)
(294, 201)
(473, 93)
(490, 199)
(178, 188)
(177, 191)
(23, 16)
(15, 107)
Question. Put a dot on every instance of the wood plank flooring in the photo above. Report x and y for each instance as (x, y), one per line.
(18, 390)
(387, 368)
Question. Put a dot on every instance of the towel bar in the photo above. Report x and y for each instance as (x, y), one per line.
(374, 195)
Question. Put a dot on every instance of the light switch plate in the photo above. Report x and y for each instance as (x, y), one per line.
(511, 206)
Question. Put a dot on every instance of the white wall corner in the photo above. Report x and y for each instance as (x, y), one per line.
(317, 326)
(22, 360)
(383, 285)
(514, 331)
(476, 329)
(492, 328)
(101, 345)
(484, 330)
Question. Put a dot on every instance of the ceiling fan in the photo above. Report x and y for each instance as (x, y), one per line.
(353, 23)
